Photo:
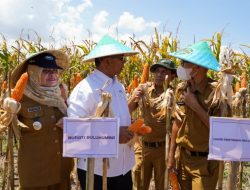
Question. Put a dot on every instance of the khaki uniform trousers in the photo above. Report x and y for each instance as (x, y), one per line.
(153, 161)
(197, 173)
(136, 171)
(64, 185)
(51, 187)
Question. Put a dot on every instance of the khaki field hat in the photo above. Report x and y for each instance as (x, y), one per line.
(108, 46)
(61, 59)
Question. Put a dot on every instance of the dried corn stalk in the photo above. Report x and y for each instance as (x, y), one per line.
(164, 102)
(103, 108)
(236, 168)
(144, 100)
(221, 96)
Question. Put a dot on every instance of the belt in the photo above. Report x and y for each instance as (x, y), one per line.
(195, 153)
(153, 144)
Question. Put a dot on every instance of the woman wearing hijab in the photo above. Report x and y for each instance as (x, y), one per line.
(40, 162)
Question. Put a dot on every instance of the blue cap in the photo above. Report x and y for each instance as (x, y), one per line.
(108, 46)
(44, 60)
(198, 54)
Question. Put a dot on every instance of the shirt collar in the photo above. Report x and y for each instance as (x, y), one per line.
(152, 88)
(101, 76)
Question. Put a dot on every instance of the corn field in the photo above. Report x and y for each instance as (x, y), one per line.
(149, 52)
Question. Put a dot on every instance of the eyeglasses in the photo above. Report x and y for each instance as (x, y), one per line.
(120, 58)
(50, 71)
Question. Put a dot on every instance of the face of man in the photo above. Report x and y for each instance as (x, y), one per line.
(194, 68)
(115, 64)
(49, 77)
(160, 74)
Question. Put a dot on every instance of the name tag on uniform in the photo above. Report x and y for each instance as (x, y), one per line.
(180, 103)
(34, 109)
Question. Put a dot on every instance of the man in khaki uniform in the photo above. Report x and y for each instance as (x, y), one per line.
(40, 162)
(153, 154)
(191, 133)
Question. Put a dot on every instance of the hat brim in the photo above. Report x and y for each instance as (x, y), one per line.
(107, 46)
(155, 66)
(62, 61)
(92, 59)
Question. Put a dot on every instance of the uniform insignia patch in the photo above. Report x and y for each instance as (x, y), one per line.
(180, 103)
(34, 109)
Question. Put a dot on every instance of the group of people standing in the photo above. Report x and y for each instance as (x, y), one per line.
(41, 165)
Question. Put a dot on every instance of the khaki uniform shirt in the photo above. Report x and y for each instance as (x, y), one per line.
(40, 161)
(193, 134)
(158, 126)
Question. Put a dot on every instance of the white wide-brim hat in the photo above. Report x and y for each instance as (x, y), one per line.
(108, 46)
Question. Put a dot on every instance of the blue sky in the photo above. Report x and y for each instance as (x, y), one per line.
(69, 20)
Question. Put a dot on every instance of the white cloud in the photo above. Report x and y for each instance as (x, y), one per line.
(101, 26)
(63, 21)
(43, 16)
(125, 21)
(136, 24)
(70, 26)
(100, 22)
(73, 13)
